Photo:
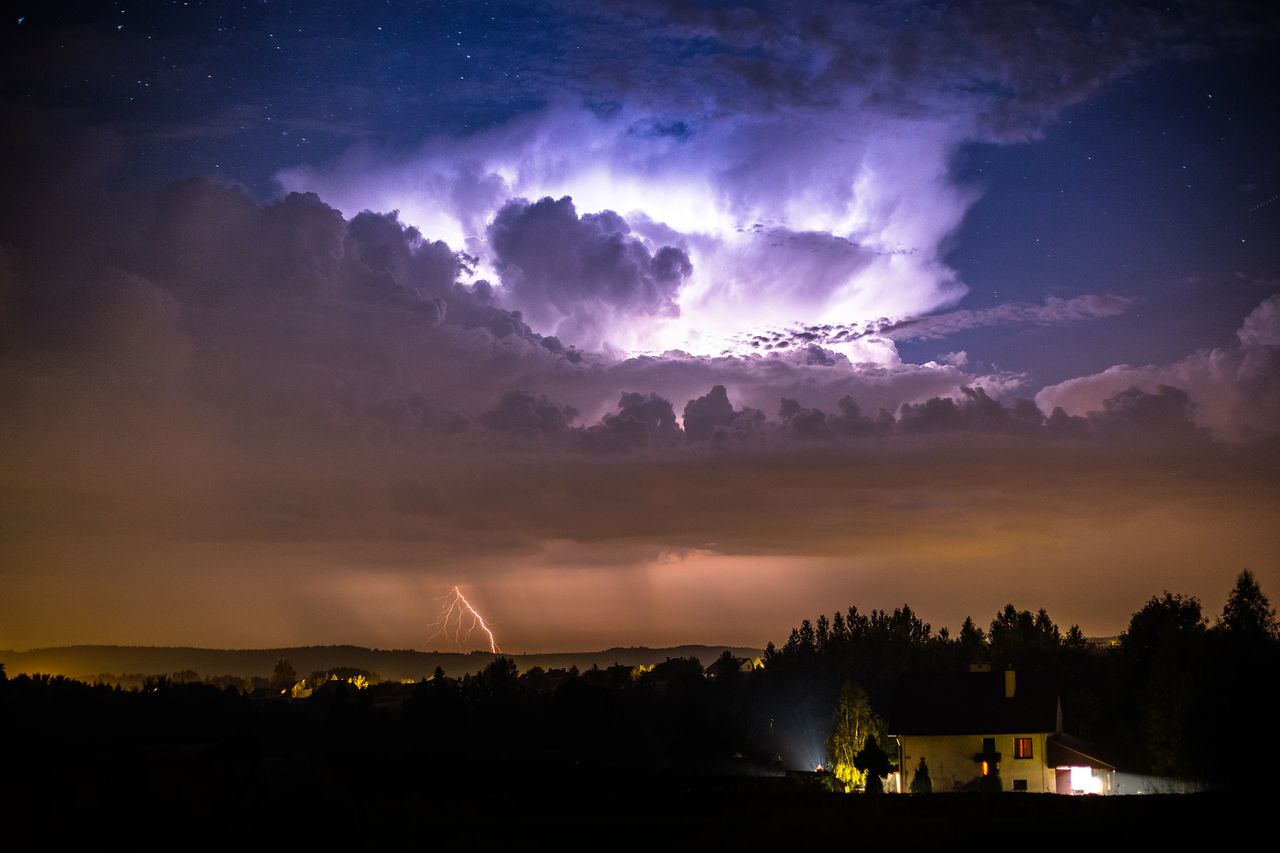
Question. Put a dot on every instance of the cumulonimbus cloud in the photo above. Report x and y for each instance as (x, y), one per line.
(799, 156)
(583, 279)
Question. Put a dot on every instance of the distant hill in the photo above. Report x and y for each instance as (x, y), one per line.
(89, 662)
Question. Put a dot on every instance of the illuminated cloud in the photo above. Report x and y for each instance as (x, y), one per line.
(799, 156)
(1054, 312)
(1235, 390)
(581, 279)
(819, 229)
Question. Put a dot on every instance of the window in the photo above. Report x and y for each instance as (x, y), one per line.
(1019, 784)
(1022, 747)
(988, 746)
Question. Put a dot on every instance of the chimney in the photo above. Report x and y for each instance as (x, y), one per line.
(1010, 683)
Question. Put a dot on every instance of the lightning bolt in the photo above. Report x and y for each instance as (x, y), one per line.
(459, 620)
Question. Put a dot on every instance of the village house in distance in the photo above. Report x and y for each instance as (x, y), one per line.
(997, 731)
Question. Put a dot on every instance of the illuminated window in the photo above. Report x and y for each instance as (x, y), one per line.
(986, 769)
(1022, 747)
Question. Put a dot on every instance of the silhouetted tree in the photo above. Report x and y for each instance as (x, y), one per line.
(1161, 618)
(973, 641)
(500, 675)
(770, 654)
(283, 676)
(806, 637)
(1018, 637)
(1234, 694)
(920, 782)
(874, 763)
(1162, 655)
(1248, 612)
(839, 632)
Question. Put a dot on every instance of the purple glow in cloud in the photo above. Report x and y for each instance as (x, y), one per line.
(801, 156)
(839, 222)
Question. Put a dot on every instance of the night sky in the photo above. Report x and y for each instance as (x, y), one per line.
(641, 322)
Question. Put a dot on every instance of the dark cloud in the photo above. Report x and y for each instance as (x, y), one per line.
(649, 410)
(1061, 425)
(641, 421)
(283, 320)
(914, 58)
(702, 415)
(523, 412)
(973, 411)
(849, 420)
(749, 427)
(571, 276)
(802, 423)
(121, 328)
(1134, 413)
(647, 422)
(289, 322)
(387, 259)
(286, 322)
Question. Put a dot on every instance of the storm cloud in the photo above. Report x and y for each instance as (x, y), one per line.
(615, 315)
(799, 157)
(581, 278)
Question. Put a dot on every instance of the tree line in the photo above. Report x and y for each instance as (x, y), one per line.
(1173, 696)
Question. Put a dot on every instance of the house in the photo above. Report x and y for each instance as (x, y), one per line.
(999, 731)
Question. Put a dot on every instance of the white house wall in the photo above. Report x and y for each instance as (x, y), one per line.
(951, 764)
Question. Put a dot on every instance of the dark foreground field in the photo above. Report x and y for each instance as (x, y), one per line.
(177, 800)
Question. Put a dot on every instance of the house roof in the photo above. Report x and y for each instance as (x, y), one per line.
(961, 703)
(1067, 751)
